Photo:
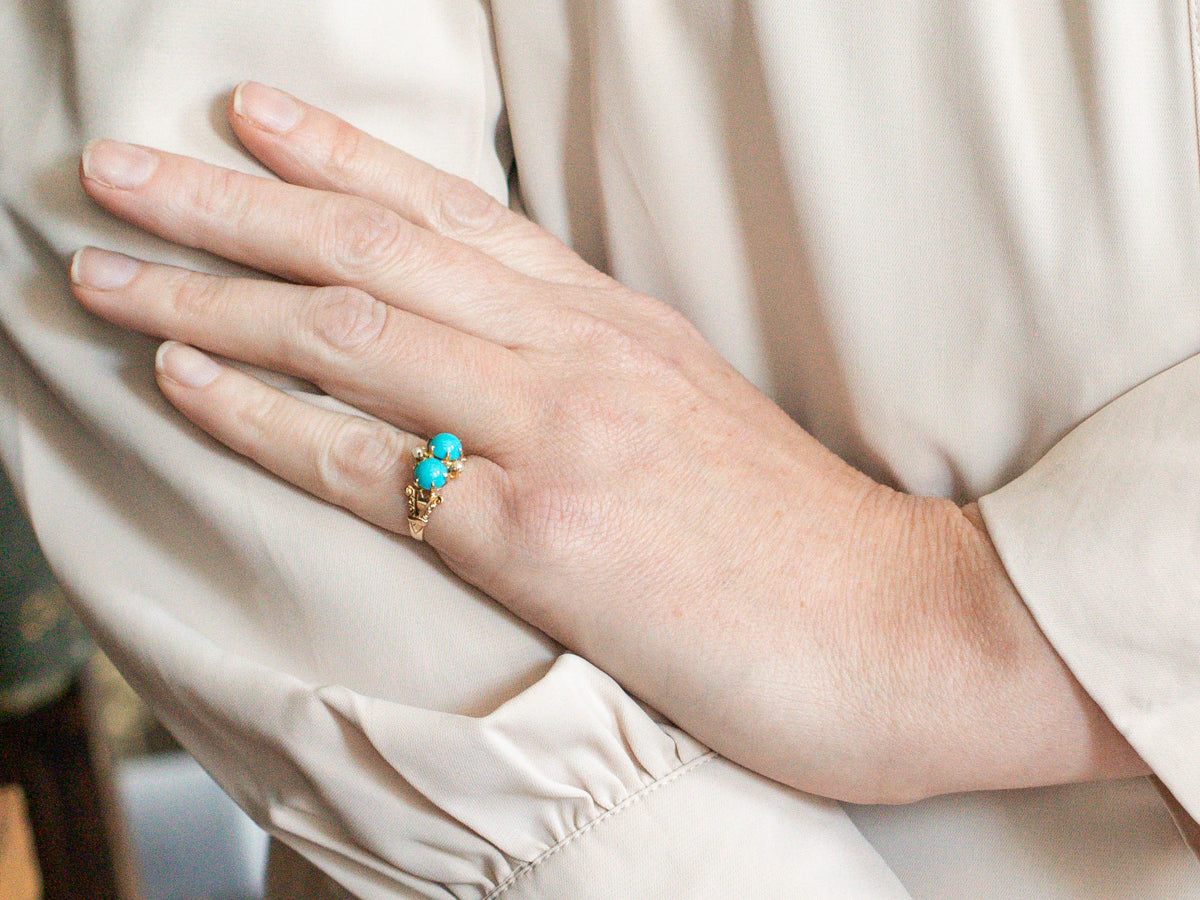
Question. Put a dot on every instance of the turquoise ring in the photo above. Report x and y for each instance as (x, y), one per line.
(436, 463)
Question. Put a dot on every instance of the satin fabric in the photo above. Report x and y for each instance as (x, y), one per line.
(954, 240)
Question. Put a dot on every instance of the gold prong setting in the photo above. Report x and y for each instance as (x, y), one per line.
(440, 460)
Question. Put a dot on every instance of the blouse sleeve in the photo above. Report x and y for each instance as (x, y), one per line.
(1102, 539)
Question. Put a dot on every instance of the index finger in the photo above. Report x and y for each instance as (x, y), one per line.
(306, 145)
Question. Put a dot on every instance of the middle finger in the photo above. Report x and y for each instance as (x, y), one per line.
(311, 236)
(400, 367)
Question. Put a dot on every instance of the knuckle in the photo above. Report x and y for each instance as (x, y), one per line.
(215, 195)
(587, 332)
(357, 458)
(362, 238)
(606, 343)
(459, 207)
(668, 320)
(344, 159)
(255, 415)
(347, 320)
(653, 345)
(195, 296)
(679, 347)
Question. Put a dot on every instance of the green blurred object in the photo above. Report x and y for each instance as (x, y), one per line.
(42, 644)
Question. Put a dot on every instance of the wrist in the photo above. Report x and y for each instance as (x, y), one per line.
(1026, 721)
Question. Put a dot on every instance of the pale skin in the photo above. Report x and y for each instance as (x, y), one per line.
(626, 491)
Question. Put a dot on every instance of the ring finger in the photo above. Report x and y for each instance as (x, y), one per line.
(358, 464)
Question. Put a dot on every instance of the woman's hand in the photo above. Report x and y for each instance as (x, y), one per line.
(627, 491)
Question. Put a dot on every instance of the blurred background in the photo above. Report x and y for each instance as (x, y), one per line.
(96, 798)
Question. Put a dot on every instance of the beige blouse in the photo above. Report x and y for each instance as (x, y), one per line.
(956, 240)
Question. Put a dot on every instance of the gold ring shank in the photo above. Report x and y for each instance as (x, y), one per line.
(421, 503)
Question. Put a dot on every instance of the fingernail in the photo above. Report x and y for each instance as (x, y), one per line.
(185, 365)
(266, 107)
(118, 165)
(101, 270)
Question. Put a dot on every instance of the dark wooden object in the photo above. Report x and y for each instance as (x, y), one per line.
(49, 753)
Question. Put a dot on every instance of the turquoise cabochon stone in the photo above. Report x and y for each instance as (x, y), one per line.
(429, 474)
(445, 446)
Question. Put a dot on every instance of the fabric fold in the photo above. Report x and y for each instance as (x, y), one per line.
(539, 767)
(1121, 606)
